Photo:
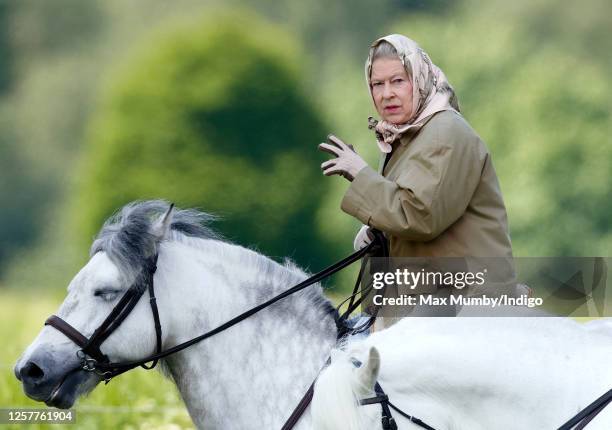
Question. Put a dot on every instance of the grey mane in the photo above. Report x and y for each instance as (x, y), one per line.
(127, 239)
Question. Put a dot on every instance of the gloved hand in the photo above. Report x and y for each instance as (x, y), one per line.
(347, 163)
(364, 238)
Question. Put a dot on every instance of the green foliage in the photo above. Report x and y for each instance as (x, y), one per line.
(44, 87)
(51, 28)
(6, 54)
(20, 193)
(212, 117)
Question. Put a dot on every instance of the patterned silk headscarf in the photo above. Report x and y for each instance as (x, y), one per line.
(431, 91)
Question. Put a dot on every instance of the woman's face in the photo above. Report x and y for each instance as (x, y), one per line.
(391, 90)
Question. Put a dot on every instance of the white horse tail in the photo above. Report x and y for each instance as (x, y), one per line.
(339, 388)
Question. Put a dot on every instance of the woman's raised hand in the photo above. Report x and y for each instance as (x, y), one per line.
(347, 162)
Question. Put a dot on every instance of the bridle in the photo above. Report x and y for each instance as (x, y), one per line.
(91, 356)
(94, 360)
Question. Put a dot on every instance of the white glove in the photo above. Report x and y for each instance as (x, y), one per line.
(347, 163)
(362, 239)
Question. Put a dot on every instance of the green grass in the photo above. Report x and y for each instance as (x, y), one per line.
(137, 400)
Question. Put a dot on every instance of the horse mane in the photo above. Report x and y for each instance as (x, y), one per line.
(127, 238)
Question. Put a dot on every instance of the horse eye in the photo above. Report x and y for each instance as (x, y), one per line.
(106, 294)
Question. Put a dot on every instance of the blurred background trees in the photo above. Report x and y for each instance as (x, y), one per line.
(214, 116)
(102, 102)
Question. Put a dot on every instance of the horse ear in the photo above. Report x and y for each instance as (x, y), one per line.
(368, 373)
(161, 227)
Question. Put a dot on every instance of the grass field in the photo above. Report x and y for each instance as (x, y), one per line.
(137, 400)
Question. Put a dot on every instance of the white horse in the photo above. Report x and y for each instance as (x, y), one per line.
(453, 373)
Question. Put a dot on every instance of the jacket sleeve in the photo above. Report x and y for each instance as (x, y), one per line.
(432, 191)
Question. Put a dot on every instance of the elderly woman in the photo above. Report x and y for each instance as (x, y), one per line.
(435, 193)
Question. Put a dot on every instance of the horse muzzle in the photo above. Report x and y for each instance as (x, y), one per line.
(58, 385)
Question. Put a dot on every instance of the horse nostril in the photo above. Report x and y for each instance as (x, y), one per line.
(31, 371)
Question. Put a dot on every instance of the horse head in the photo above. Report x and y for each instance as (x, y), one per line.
(51, 369)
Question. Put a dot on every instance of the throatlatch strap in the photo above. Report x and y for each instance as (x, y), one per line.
(158, 328)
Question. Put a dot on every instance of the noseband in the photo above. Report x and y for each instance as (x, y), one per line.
(91, 356)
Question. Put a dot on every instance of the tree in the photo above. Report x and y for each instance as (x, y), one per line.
(19, 194)
(213, 117)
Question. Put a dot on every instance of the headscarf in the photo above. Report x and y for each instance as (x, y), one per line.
(431, 91)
